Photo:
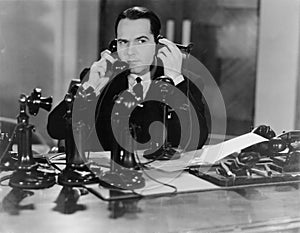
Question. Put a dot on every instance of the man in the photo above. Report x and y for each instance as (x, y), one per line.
(149, 57)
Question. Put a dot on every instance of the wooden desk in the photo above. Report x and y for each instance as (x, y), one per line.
(252, 209)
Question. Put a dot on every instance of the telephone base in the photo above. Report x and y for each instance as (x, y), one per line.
(31, 179)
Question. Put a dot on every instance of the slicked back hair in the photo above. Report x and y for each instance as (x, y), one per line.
(138, 12)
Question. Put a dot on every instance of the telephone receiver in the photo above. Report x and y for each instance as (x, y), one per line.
(184, 48)
(118, 65)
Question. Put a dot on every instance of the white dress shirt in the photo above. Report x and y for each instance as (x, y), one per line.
(146, 82)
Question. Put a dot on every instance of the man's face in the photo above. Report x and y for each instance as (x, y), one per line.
(136, 44)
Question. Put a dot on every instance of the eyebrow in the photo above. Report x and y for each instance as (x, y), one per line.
(142, 37)
(123, 40)
(138, 38)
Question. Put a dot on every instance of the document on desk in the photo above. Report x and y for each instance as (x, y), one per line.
(210, 154)
(162, 183)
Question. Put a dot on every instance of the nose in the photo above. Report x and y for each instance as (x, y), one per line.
(131, 49)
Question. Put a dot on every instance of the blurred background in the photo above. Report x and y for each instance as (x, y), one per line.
(251, 47)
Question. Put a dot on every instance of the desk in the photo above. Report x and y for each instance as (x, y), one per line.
(252, 209)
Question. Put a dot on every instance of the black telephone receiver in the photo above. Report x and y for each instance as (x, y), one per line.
(158, 37)
(184, 48)
(113, 46)
(119, 65)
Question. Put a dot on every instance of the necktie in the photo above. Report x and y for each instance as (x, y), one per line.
(138, 89)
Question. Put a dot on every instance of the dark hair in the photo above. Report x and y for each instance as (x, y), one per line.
(141, 13)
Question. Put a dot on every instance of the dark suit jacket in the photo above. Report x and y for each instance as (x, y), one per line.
(189, 133)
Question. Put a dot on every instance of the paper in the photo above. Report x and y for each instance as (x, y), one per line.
(219, 151)
(162, 183)
(183, 181)
(210, 154)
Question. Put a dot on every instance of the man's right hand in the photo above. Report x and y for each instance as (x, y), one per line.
(97, 78)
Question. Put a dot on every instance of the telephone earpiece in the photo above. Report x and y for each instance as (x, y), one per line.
(264, 131)
(119, 65)
(158, 38)
(184, 48)
(113, 46)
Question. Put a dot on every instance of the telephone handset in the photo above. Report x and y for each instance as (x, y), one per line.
(118, 65)
(184, 48)
(164, 83)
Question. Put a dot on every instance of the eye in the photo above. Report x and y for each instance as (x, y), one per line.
(122, 42)
(142, 41)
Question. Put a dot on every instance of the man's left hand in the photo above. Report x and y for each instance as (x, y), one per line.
(171, 57)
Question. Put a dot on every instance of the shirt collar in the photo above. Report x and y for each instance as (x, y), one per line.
(145, 78)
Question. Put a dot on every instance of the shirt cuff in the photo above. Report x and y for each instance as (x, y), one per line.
(97, 90)
(178, 79)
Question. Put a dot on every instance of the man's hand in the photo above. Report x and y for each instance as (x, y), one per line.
(97, 78)
(171, 57)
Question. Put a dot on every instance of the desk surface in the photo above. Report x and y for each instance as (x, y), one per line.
(252, 209)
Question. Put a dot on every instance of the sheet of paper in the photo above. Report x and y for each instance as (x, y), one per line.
(209, 154)
(219, 151)
(183, 182)
(179, 182)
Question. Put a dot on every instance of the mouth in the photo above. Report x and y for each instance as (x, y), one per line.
(133, 63)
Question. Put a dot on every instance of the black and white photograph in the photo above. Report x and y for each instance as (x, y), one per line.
(155, 116)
